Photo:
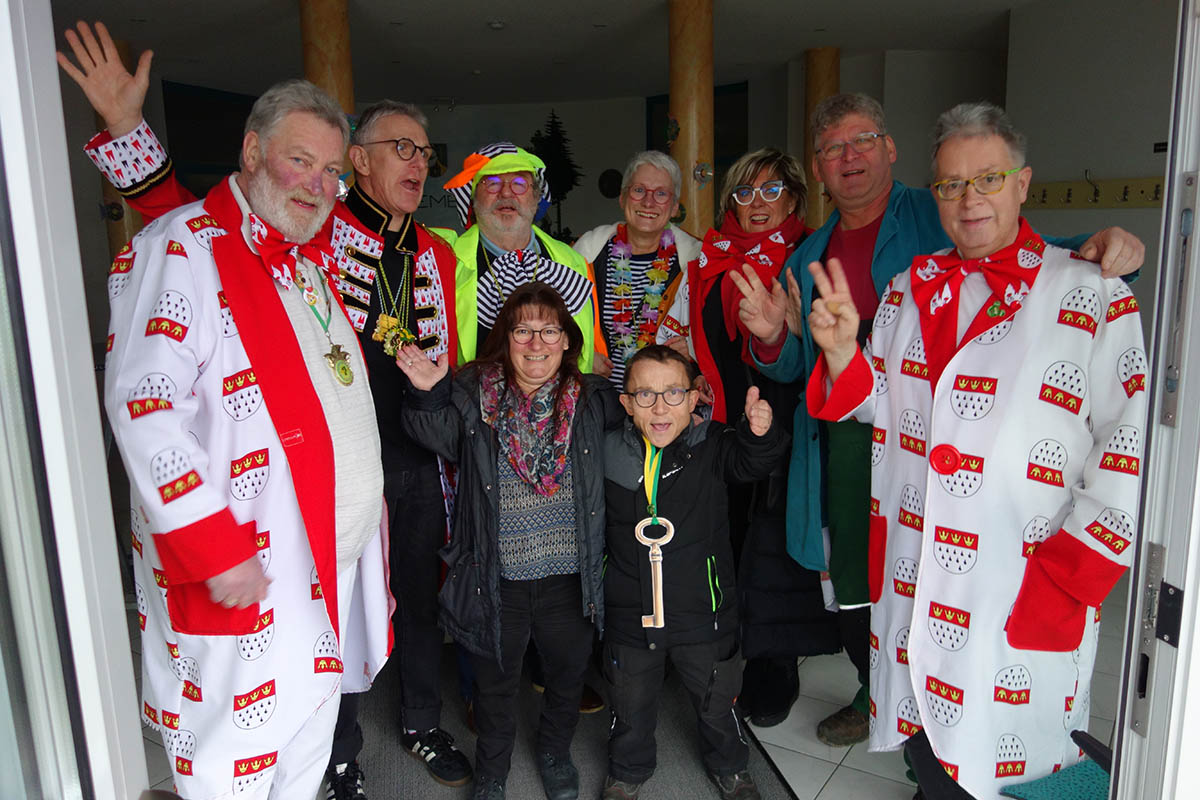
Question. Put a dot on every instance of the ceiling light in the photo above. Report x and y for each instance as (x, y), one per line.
(497, 24)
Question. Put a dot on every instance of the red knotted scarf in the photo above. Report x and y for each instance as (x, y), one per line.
(279, 255)
(1010, 272)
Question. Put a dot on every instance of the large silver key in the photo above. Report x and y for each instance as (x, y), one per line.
(657, 619)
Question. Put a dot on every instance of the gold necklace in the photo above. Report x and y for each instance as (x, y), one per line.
(338, 358)
(391, 328)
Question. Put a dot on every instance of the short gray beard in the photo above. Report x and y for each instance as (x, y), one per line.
(271, 203)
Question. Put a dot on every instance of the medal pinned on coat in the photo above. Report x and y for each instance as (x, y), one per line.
(650, 472)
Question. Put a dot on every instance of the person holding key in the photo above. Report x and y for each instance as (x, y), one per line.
(525, 558)
(669, 578)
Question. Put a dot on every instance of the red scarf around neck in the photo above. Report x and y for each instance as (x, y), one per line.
(730, 248)
(279, 255)
(1010, 272)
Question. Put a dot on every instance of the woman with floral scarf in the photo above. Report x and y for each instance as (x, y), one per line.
(526, 551)
(762, 206)
(639, 264)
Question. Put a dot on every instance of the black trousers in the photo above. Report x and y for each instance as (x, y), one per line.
(417, 530)
(932, 777)
(712, 674)
(550, 611)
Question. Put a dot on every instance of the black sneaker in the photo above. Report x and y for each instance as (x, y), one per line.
(487, 789)
(739, 786)
(560, 779)
(344, 782)
(445, 762)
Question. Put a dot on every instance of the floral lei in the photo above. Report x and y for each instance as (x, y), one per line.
(631, 333)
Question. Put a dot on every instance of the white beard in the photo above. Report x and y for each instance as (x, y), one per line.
(272, 204)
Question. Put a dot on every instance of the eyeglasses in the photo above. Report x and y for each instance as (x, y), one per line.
(988, 183)
(660, 196)
(862, 143)
(770, 191)
(523, 335)
(407, 148)
(646, 398)
(492, 184)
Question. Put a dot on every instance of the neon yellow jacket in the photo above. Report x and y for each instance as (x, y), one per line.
(466, 280)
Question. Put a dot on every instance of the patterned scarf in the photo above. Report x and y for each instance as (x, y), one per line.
(730, 248)
(636, 319)
(531, 436)
(1010, 272)
(501, 276)
(279, 255)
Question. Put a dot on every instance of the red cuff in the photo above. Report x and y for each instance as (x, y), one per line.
(852, 387)
(1078, 569)
(205, 548)
(1062, 579)
(103, 137)
(768, 353)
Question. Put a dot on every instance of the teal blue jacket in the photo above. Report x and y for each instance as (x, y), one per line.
(910, 228)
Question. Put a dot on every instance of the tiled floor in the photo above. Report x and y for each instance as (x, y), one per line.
(816, 771)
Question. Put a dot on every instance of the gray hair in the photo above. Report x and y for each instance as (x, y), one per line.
(385, 108)
(287, 97)
(786, 168)
(832, 110)
(977, 119)
(658, 160)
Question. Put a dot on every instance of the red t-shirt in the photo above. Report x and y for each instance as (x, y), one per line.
(856, 249)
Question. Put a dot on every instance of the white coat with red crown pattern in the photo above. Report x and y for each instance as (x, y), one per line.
(1046, 412)
(197, 438)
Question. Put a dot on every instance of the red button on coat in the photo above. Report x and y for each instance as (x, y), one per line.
(944, 459)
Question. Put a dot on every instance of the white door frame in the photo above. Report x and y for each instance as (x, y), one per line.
(34, 152)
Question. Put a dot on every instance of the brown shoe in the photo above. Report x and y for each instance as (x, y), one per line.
(844, 727)
(591, 701)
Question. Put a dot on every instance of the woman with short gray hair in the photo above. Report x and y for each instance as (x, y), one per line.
(639, 264)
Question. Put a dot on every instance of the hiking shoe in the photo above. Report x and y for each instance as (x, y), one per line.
(560, 779)
(844, 727)
(619, 790)
(344, 782)
(488, 789)
(739, 786)
(445, 762)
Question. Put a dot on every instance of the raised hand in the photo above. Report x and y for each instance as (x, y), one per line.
(758, 412)
(423, 373)
(834, 319)
(602, 365)
(680, 345)
(763, 309)
(116, 95)
(240, 586)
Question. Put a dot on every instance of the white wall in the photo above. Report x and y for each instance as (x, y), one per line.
(919, 85)
(603, 134)
(1097, 99)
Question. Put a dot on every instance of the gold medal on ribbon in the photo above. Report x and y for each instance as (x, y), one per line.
(383, 326)
(339, 362)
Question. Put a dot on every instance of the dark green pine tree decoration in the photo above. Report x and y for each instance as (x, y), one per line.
(552, 146)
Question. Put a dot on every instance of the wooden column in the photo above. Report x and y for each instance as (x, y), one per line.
(822, 68)
(325, 33)
(690, 48)
(122, 222)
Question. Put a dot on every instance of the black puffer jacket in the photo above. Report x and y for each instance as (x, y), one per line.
(448, 420)
(699, 593)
